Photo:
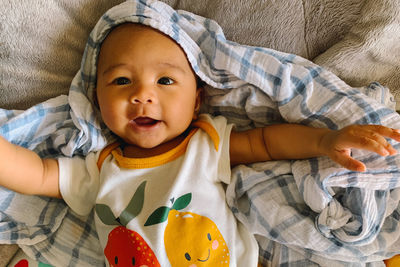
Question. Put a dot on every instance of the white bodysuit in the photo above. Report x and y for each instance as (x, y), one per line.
(167, 210)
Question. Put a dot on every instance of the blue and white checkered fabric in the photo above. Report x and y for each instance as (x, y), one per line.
(309, 212)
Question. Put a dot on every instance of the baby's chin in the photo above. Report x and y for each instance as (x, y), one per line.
(150, 149)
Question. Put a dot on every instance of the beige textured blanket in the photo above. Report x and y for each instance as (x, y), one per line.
(42, 41)
(371, 50)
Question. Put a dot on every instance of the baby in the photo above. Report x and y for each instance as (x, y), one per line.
(158, 191)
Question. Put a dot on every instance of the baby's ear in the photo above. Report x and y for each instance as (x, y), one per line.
(197, 104)
(199, 99)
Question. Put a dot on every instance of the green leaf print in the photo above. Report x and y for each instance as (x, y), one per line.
(182, 202)
(41, 264)
(106, 215)
(131, 211)
(135, 205)
(158, 216)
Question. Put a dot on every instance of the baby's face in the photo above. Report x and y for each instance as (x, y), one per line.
(146, 88)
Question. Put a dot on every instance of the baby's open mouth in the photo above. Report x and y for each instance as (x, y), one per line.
(145, 121)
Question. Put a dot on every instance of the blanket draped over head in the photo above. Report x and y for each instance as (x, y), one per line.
(303, 211)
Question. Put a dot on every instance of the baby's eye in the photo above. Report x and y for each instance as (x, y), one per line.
(121, 81)
(165, 81)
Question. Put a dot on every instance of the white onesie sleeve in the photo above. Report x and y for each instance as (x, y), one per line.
(79, 182)
(224, 163)
(220, 156)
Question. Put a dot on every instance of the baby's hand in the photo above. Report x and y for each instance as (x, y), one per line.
(338, 144)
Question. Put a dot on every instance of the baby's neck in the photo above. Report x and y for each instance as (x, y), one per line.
(133, 151)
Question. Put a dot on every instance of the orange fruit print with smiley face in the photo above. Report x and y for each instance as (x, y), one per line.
(190, 239)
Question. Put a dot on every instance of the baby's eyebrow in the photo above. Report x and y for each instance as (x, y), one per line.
(171, 65)
(161, 65)
(112, 67)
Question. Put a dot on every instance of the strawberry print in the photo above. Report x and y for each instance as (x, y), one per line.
(22, 263)
(126, 247)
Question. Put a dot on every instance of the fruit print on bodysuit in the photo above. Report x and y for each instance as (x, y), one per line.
(126, 247)
(25, 263)
(191, 240)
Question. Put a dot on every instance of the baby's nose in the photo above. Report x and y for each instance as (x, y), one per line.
(142, 100)
(143, 96)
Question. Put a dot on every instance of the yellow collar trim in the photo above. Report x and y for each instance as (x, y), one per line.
(210, 130)
(171, 155)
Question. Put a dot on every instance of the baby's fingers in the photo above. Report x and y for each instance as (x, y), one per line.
(376, 142)
(372, 138)
(371, 143)
(348, 162)
(384, 131)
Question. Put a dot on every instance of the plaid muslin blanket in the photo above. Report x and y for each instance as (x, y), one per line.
(303, 213)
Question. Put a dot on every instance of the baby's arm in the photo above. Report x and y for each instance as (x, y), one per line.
(293, 141)
(23, 171)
